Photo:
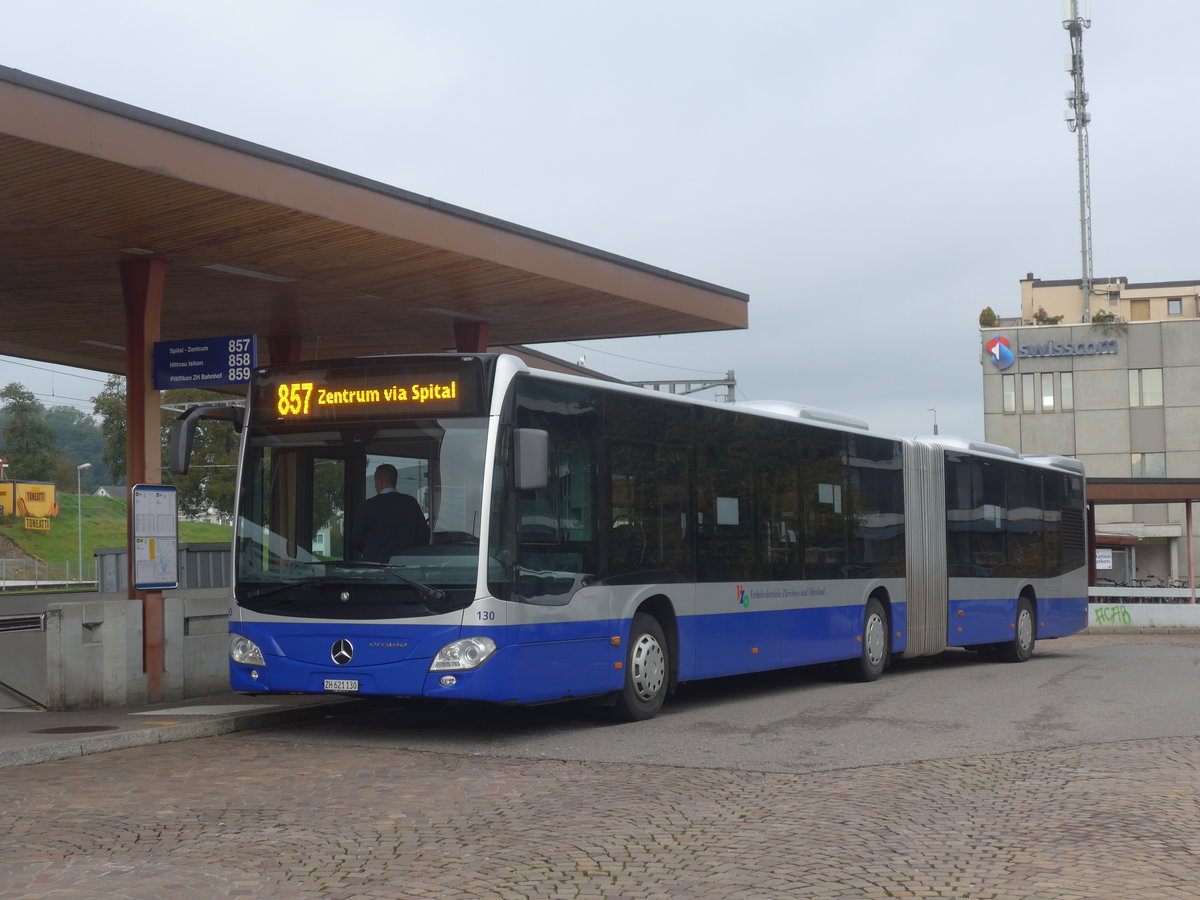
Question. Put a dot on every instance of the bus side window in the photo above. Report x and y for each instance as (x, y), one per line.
(826, 512)
(649, 508)
(777, 497)
(724, 473)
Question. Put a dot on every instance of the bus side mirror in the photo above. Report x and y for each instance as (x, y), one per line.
(183, 432)
(531, 452)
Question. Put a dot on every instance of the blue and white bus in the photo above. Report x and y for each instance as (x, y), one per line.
(591, 539)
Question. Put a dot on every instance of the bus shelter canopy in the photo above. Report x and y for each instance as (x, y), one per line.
(120, 228)
(1142, 490)
(256, 241)
(1101, 491)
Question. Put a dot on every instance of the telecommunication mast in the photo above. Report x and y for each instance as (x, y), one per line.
(1074, 21)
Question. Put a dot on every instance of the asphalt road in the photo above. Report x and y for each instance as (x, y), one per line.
(1077, 690)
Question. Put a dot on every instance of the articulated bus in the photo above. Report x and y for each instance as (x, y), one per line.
(590, 539)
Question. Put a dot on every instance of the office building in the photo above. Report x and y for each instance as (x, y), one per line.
(1120, 392)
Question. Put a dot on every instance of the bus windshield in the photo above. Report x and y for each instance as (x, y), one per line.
(305, 493)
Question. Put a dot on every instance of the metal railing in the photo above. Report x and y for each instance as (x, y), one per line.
(1119, 593)
(31, 622)
(26, 574)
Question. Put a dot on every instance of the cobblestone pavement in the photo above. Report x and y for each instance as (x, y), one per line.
(232, 817)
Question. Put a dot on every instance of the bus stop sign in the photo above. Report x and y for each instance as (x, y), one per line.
(203, 362)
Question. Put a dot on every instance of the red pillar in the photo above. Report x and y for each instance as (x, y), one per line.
(142, 284)
(283, 349)
(1091, 545)
(1191, 554)
(470, 337)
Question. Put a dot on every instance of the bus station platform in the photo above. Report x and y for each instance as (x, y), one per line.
(29, 736)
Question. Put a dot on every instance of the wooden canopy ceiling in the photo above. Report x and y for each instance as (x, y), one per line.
(260, 242)
(1142, 490)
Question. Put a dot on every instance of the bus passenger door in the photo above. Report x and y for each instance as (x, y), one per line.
(561, 617)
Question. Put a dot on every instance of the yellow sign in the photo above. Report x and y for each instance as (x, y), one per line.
(37, 523)
(34, 499)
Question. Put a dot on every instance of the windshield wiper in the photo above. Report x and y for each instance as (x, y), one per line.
(427, 592)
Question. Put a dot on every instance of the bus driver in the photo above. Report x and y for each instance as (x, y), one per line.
(389, 522)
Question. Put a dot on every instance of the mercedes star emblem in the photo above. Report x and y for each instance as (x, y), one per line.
(342, 652)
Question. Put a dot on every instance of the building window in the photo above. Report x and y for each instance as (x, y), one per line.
(1148, 465)
(1008, 385)
(1145, 387)
(1174, 306)
(1028, 394)
(1047, 392)
(1066, 383)
(1139, 310)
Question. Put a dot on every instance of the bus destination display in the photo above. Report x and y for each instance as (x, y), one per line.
(358, 394)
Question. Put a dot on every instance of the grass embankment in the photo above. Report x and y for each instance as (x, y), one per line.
(104, 525)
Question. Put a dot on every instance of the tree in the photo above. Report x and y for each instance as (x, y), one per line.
(28, 440)
(210, 482)
(109, 405)
(988, 318)
(1041, 317)
(79, 440)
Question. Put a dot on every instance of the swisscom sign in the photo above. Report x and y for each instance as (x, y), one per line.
(1000, 351)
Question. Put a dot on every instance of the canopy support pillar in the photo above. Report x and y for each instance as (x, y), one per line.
(470, 337)
(142, 284)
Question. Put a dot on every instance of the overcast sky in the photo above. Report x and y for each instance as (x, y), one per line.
(871, 173)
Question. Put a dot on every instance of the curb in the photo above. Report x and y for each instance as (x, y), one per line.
(72, 748)
(1140, 629)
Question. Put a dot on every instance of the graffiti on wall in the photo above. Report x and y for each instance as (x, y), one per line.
(1112, 614)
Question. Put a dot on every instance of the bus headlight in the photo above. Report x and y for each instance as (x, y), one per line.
(245, 651)
(469, 653)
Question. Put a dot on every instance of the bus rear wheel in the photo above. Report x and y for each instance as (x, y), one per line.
(876, 646)
(647, 671)
(1020, 648)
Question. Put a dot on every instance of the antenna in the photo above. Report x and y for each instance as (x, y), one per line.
(1074, 21)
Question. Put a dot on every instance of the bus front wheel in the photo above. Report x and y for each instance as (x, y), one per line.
(647, 671)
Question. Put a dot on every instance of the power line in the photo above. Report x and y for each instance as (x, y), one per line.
(86, 401)
(28, 365)
(645, 362)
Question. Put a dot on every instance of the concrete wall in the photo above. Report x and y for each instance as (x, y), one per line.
(90, 654)
(1133, 617)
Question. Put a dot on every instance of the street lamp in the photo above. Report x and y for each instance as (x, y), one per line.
(79, 499)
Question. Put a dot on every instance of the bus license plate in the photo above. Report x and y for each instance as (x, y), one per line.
(341, 685)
